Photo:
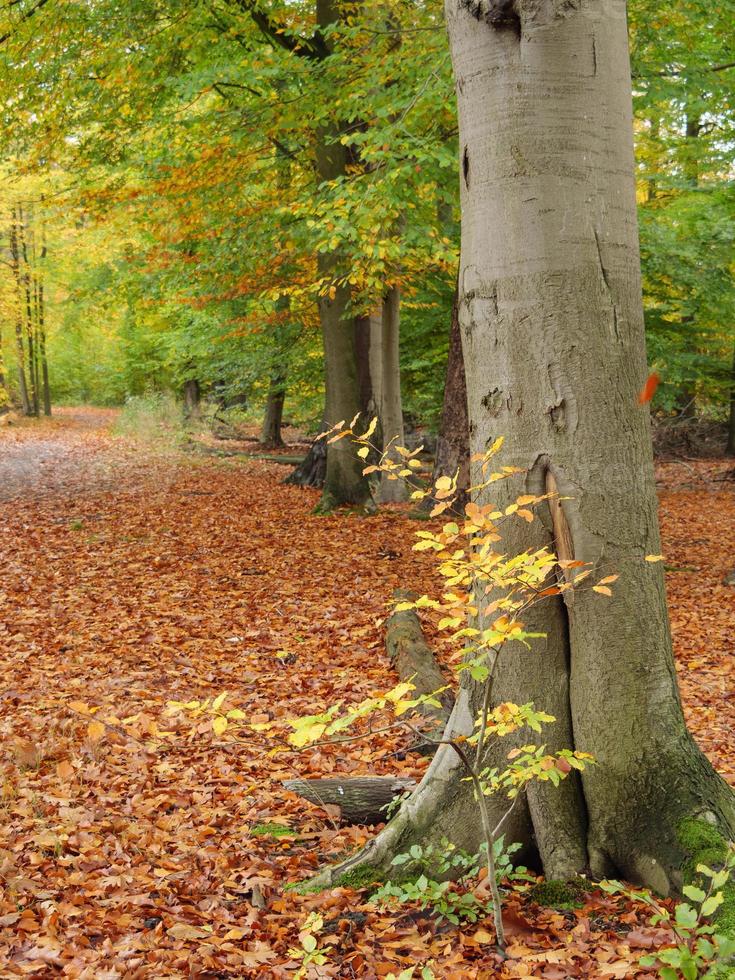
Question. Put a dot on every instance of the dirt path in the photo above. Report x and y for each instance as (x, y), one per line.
(139, 845)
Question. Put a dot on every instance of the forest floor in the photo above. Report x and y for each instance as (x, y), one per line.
(141, 845)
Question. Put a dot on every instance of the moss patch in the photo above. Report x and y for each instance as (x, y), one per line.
(272, 830)
(705, 845)
(560, 894)
(363, 876)
(304, 887)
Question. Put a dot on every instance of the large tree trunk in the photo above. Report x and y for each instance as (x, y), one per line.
(391, 408)
(551, 314)
(343, 482)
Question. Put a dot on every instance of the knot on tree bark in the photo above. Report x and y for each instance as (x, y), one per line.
(497, 13)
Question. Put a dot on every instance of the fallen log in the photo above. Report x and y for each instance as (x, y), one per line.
(413, 660)
(361, 799)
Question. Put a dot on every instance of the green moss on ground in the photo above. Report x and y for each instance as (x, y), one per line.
(363, 876)
(560, 894)
(304, 887)
(705, 845)
(272, 830)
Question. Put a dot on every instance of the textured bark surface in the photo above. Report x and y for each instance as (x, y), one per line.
(343, 481)
(552, 330)
(312, 470)
(361, 799)
(453, 444)
(391, 408)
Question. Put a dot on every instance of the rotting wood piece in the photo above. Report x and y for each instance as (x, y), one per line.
(361, 799)
(414, 661)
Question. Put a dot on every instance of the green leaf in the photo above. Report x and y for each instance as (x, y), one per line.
(712, 904)
(695, 894)
(686, 916)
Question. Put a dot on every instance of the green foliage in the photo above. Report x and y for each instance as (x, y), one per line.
(702, 948)
(309, 953)
(436, 887)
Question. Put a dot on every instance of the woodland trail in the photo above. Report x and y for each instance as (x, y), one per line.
(143, 846)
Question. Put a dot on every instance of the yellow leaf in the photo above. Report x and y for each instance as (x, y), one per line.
(218, 701)
(363, 452)
(95, 730)
(653, 558)
(602, 589)
(219, 725)
(398, 691)
(608, 579)
(303, 736)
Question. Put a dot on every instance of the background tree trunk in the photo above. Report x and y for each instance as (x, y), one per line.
(313, 468)
(192, 400)
(391, 408)
(41, 321)
(25, 401)
(731, 423)
(453, 444)
(270, 434)
(551, 314)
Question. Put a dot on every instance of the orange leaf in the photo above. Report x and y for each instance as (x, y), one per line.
(649, 388)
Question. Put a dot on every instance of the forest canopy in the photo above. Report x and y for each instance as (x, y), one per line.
(161, 162)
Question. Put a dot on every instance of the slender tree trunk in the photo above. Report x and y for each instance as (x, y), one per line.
(4, 398)
(192, 400)
(19, 345)
(42, 320)
(552, 328)
(391, 408)
(270, 434)
(29, 319)
(731, 425)
(453, 445)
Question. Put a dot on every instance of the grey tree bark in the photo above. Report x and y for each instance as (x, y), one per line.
(552, 328)
(391, 408)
